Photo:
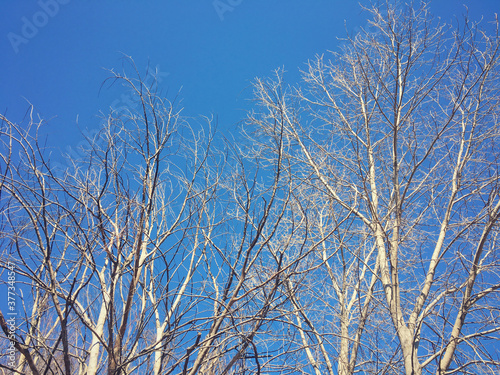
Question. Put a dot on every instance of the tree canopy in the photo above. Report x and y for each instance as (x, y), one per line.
(351, 227)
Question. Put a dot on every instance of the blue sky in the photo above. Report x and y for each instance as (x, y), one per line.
(212, 49)
(54, 52)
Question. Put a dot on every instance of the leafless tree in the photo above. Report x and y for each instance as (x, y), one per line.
(393, 145)
(351, 229)
(147, 256)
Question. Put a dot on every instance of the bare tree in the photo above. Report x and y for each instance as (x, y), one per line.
(394, 141)
(146, 256)
(351, 229)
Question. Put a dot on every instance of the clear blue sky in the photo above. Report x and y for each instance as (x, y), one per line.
(52, 52)
(211, 48)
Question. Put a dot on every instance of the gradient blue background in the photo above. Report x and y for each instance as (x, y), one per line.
(213, 57)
